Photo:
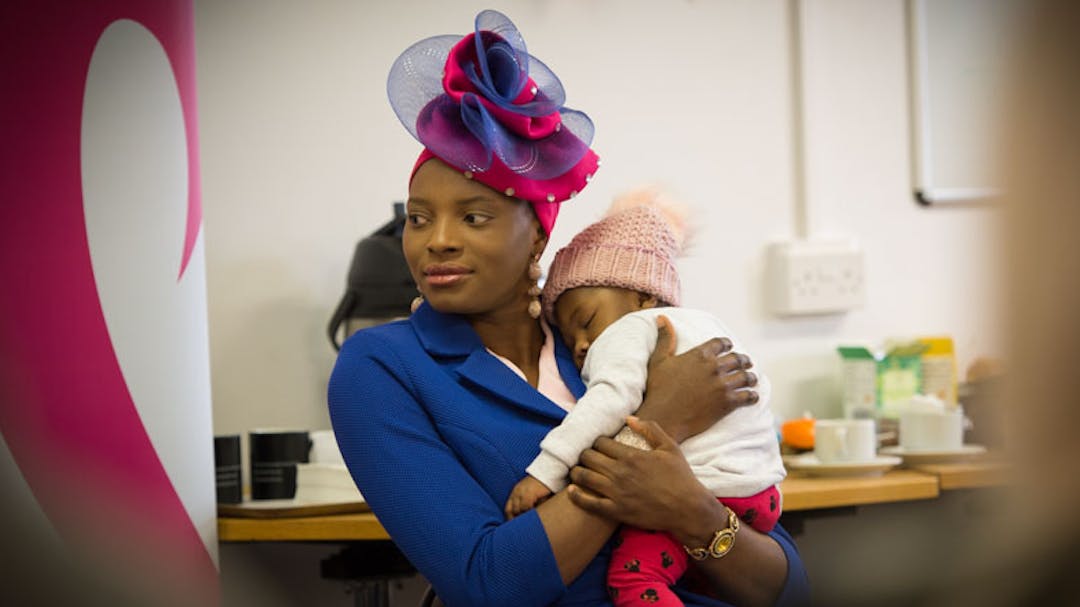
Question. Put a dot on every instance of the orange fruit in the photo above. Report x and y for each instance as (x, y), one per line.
(798, 433)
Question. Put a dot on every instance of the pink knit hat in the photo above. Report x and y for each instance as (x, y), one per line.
(633, 247)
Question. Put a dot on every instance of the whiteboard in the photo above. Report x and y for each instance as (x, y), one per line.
(959, 52)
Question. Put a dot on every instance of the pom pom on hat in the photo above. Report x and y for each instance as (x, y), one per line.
(633, 246)
(673, 211)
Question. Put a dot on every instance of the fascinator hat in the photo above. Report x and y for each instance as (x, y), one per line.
(483, 105)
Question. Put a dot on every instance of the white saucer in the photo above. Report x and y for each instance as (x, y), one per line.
(935, 456)
(809, 463)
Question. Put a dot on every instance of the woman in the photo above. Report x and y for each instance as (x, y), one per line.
(439, 415)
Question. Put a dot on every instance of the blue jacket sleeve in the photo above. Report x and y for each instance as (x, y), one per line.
(452, 531)
(796, 592)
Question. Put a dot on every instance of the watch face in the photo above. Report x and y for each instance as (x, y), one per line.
(724, 541)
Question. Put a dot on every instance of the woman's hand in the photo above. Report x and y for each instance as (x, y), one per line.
(647, 489)
(690, 392)
(657, 490)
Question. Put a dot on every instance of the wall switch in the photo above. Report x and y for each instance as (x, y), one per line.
(815, 277)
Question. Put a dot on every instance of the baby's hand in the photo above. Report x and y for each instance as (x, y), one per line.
(527, 494)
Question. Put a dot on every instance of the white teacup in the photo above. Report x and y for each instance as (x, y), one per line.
(844, 440)
(932, 430)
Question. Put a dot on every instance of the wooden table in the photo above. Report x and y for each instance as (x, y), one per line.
(968, 475)
(811, 493)
(335, 527)
(800, 493)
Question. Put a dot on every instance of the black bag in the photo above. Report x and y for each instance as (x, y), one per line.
(379, 285)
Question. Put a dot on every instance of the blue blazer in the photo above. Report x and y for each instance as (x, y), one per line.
(436, 432)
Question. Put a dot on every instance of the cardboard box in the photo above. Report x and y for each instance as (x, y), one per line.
(878, 385)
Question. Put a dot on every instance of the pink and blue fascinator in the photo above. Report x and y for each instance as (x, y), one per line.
(483, 105)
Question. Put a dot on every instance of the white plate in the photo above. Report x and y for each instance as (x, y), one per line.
(935, 456)
(809, 463)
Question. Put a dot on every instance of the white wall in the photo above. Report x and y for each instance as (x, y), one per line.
(302, 156)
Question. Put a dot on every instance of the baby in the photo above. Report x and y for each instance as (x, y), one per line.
(604, 291)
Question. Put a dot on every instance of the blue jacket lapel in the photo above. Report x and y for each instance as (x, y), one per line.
(444, 335)
(488, 373)
(451, 336)
(567, 369)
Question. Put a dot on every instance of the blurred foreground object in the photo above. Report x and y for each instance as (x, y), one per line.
(1027, 553)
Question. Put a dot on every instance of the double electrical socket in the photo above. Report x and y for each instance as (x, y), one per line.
(815, 277)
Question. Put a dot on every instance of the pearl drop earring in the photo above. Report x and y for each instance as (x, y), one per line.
(534, 291)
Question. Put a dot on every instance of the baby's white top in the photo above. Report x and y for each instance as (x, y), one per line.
(738, 456)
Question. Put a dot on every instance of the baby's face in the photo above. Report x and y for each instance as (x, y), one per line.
(584, 312)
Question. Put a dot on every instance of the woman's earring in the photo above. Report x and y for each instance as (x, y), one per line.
(419, 299)
(534, 291)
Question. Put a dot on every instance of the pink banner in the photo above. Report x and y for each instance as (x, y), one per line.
(67, 412)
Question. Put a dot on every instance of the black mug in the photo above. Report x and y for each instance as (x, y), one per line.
(227, 469)
(274, 455)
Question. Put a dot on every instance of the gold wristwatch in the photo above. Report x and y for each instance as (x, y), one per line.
(722, 541)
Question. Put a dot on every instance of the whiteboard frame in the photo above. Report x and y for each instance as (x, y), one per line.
(925, 191)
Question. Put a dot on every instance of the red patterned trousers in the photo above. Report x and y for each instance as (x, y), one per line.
(645, 564)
